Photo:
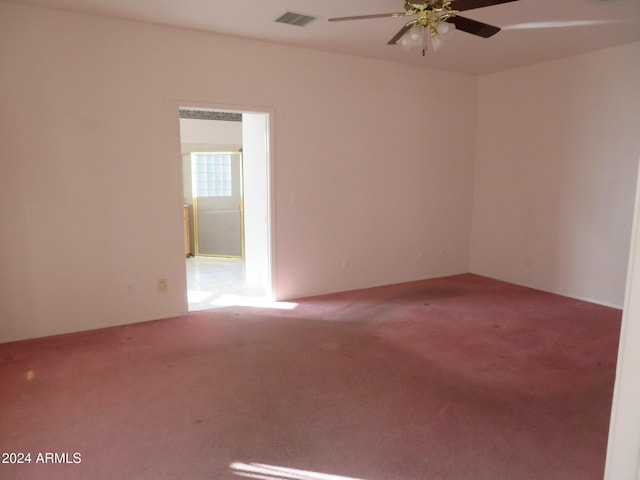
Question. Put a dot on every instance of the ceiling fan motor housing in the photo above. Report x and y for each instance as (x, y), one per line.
(430, 13)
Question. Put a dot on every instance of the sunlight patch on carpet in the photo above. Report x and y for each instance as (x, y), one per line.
(203, 300)
(272, 472)
(229, 300)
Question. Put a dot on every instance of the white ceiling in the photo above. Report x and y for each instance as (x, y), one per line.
(533, 30)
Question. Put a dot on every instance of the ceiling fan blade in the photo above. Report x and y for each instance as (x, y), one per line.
(474, 27)
(400, 34)
(365, 17)
(462, 5)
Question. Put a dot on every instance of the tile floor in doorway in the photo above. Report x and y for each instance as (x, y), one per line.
(214, 282)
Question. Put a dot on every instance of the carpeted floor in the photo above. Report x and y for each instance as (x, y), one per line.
(455, 378)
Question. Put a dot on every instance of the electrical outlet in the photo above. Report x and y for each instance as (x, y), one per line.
(129, 288)
(346, 263)
(163, 284)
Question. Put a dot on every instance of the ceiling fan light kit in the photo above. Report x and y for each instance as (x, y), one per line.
(430, 26)
(434, 21)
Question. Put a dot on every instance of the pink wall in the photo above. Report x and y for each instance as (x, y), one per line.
(91, 189)
(557, 155)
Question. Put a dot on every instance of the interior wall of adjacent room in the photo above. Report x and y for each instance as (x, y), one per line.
(199, 135)
(93, 201)
(556, 165)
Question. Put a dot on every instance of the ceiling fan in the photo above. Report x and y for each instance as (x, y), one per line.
(434, 19)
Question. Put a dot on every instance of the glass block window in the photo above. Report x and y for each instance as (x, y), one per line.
(212, 174)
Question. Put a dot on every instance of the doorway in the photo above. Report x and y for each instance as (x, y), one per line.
(225, 162)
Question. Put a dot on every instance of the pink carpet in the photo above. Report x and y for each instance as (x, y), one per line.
(455, 378)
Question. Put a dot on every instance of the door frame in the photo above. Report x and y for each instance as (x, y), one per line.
(269, 113)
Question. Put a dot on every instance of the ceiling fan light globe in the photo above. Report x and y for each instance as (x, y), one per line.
(415, 34)
(436, 42)
(413, 38)
(444, 28)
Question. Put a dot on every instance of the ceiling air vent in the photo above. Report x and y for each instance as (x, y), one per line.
(297, 19)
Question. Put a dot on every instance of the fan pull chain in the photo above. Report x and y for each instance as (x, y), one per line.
(425, 37)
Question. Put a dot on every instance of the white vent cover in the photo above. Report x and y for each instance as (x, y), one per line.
(297, 19)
